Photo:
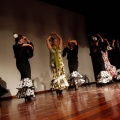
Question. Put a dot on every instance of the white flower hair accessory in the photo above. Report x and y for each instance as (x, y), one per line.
(15, 35)
(94, 38)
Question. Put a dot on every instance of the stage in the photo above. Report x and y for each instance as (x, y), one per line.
(89, 102)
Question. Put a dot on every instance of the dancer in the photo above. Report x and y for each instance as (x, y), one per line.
(116, 53)
(23, 50)
(111, 69)
(72, 54)
(59, 81)
(96, 55)
(115, 56)
(71, 51)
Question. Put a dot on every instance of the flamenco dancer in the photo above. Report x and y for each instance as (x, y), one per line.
(71, 52)
(23, 51)
(109, 73)
(59, 81)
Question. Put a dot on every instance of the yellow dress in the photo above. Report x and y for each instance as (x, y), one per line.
(59, 81)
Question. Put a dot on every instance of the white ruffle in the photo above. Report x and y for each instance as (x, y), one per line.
(26, 82)
(104, 77)
(25, 88)
(76, 78)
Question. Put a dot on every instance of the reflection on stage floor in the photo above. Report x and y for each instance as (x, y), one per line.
(89, 102)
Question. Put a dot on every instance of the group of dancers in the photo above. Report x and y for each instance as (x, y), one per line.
(24, 50)
(105, 59)
(59, 80)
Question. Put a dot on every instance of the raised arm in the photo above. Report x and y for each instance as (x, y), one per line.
(117, 43)
(100, 37)
(26, 39)
(48, 42)
(29, 43)
(113, 43)
(24, 45)
(72, 41)
(107, 42)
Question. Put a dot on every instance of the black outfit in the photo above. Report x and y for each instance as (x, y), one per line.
(97, 60)
(114, 57)
(72, 57)
(22, 54)
(3, 91)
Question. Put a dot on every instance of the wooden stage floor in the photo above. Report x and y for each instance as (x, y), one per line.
(90, 102)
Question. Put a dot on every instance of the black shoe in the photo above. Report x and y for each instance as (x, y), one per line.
(60, 91)
(27, 98)
(57, 92)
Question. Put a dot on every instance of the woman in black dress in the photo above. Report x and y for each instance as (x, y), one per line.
(71, 51)
(115, 59)
(96, 55)
(23, 50)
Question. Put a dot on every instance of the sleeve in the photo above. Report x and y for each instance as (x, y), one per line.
(76, 47)
(30, 51)
(19, 45)
(30, 43)
(16, 50)
(64, 52)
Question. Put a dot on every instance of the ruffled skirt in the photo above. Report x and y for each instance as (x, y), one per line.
(104, 77)
(76, 79)
(59, 83)
(25, 88)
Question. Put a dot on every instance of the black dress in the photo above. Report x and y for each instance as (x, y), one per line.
(22, 62)
(114, 56)
(3, 91)
(22, 55)
(72, 57)
(97, 60)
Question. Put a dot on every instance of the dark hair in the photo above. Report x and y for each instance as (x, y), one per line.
(18, 38)
(71, 43)
(52, 39)
(103, 46)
